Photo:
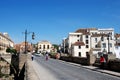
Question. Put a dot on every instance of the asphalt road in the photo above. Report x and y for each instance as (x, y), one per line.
(58, 70)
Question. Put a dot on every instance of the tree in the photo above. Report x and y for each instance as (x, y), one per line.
(8, 50)
(56, 46)
(11, 50)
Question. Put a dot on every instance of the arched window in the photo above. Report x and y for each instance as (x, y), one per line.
(43, 46)
(47, 46)
(40, 47)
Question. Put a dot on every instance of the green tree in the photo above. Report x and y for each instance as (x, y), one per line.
(56, 46)
(11, 50)
(8, 50)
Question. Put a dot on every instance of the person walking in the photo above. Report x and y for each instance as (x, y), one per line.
(102, 62)
(46, 56)
(32, 57)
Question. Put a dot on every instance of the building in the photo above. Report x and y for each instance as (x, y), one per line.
(21, 47)
(78, 49)
(86, 40)
(44, 46)
(117, 45)
(102, 43)
(64, 46)
(5, 42)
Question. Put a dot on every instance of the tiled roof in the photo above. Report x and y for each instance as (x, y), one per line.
(23, 43)
(44, 42)
(85, 30)
(117, 35)
(98, 35)
(79, 43)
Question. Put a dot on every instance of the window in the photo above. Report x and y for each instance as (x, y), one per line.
(116, 47)
(96, 40)
(78, 40)
(86, 41)
(77, 35)
(79, 54)
(102, 38)
(96, 46)
(79, 47)
(87, 46)
(110, 33)
(40, 47)
(43, 46)
(47, 46)
(110, 44)
(86, 36)
(104, 45)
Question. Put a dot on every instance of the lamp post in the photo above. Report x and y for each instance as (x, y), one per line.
(26, 41)
(33, 37)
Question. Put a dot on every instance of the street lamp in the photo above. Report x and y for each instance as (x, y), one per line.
(33, 37)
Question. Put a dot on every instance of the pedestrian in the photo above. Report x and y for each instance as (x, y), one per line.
(46, 56)
(32, 57)
(102, 62)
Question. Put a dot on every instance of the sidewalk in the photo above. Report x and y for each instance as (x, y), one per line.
(98, 69)
(31, 74)
(103, 70)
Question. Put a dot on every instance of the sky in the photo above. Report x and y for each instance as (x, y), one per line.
(52, 20)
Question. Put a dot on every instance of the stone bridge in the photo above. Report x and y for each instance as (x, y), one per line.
(7, 57)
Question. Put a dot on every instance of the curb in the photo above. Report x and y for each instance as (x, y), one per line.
(100, 70)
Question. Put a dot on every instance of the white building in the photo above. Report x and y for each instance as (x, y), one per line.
(117, 51)
(44, 46)
(101, 43)
(78, 49)
(117, 45)
(5, 42)
(81, 42)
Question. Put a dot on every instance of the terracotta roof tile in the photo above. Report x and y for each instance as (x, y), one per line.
(98, 35)
(117, 35)
(85, 29)
(79, 43)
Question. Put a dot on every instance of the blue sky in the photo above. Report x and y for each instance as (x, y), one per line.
(52, 20)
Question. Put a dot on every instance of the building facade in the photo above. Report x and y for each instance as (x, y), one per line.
(117, 45)
(44, 46)
(5, 42)
(82, 41)
(21, 47)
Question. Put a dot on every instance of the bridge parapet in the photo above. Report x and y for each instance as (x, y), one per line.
(7, 57)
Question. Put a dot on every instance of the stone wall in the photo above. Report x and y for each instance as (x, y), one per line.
(91, 59)
(114, 65)
(75, 60)
(5, 70)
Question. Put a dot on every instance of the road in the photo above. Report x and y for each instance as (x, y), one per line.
(60, 70)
